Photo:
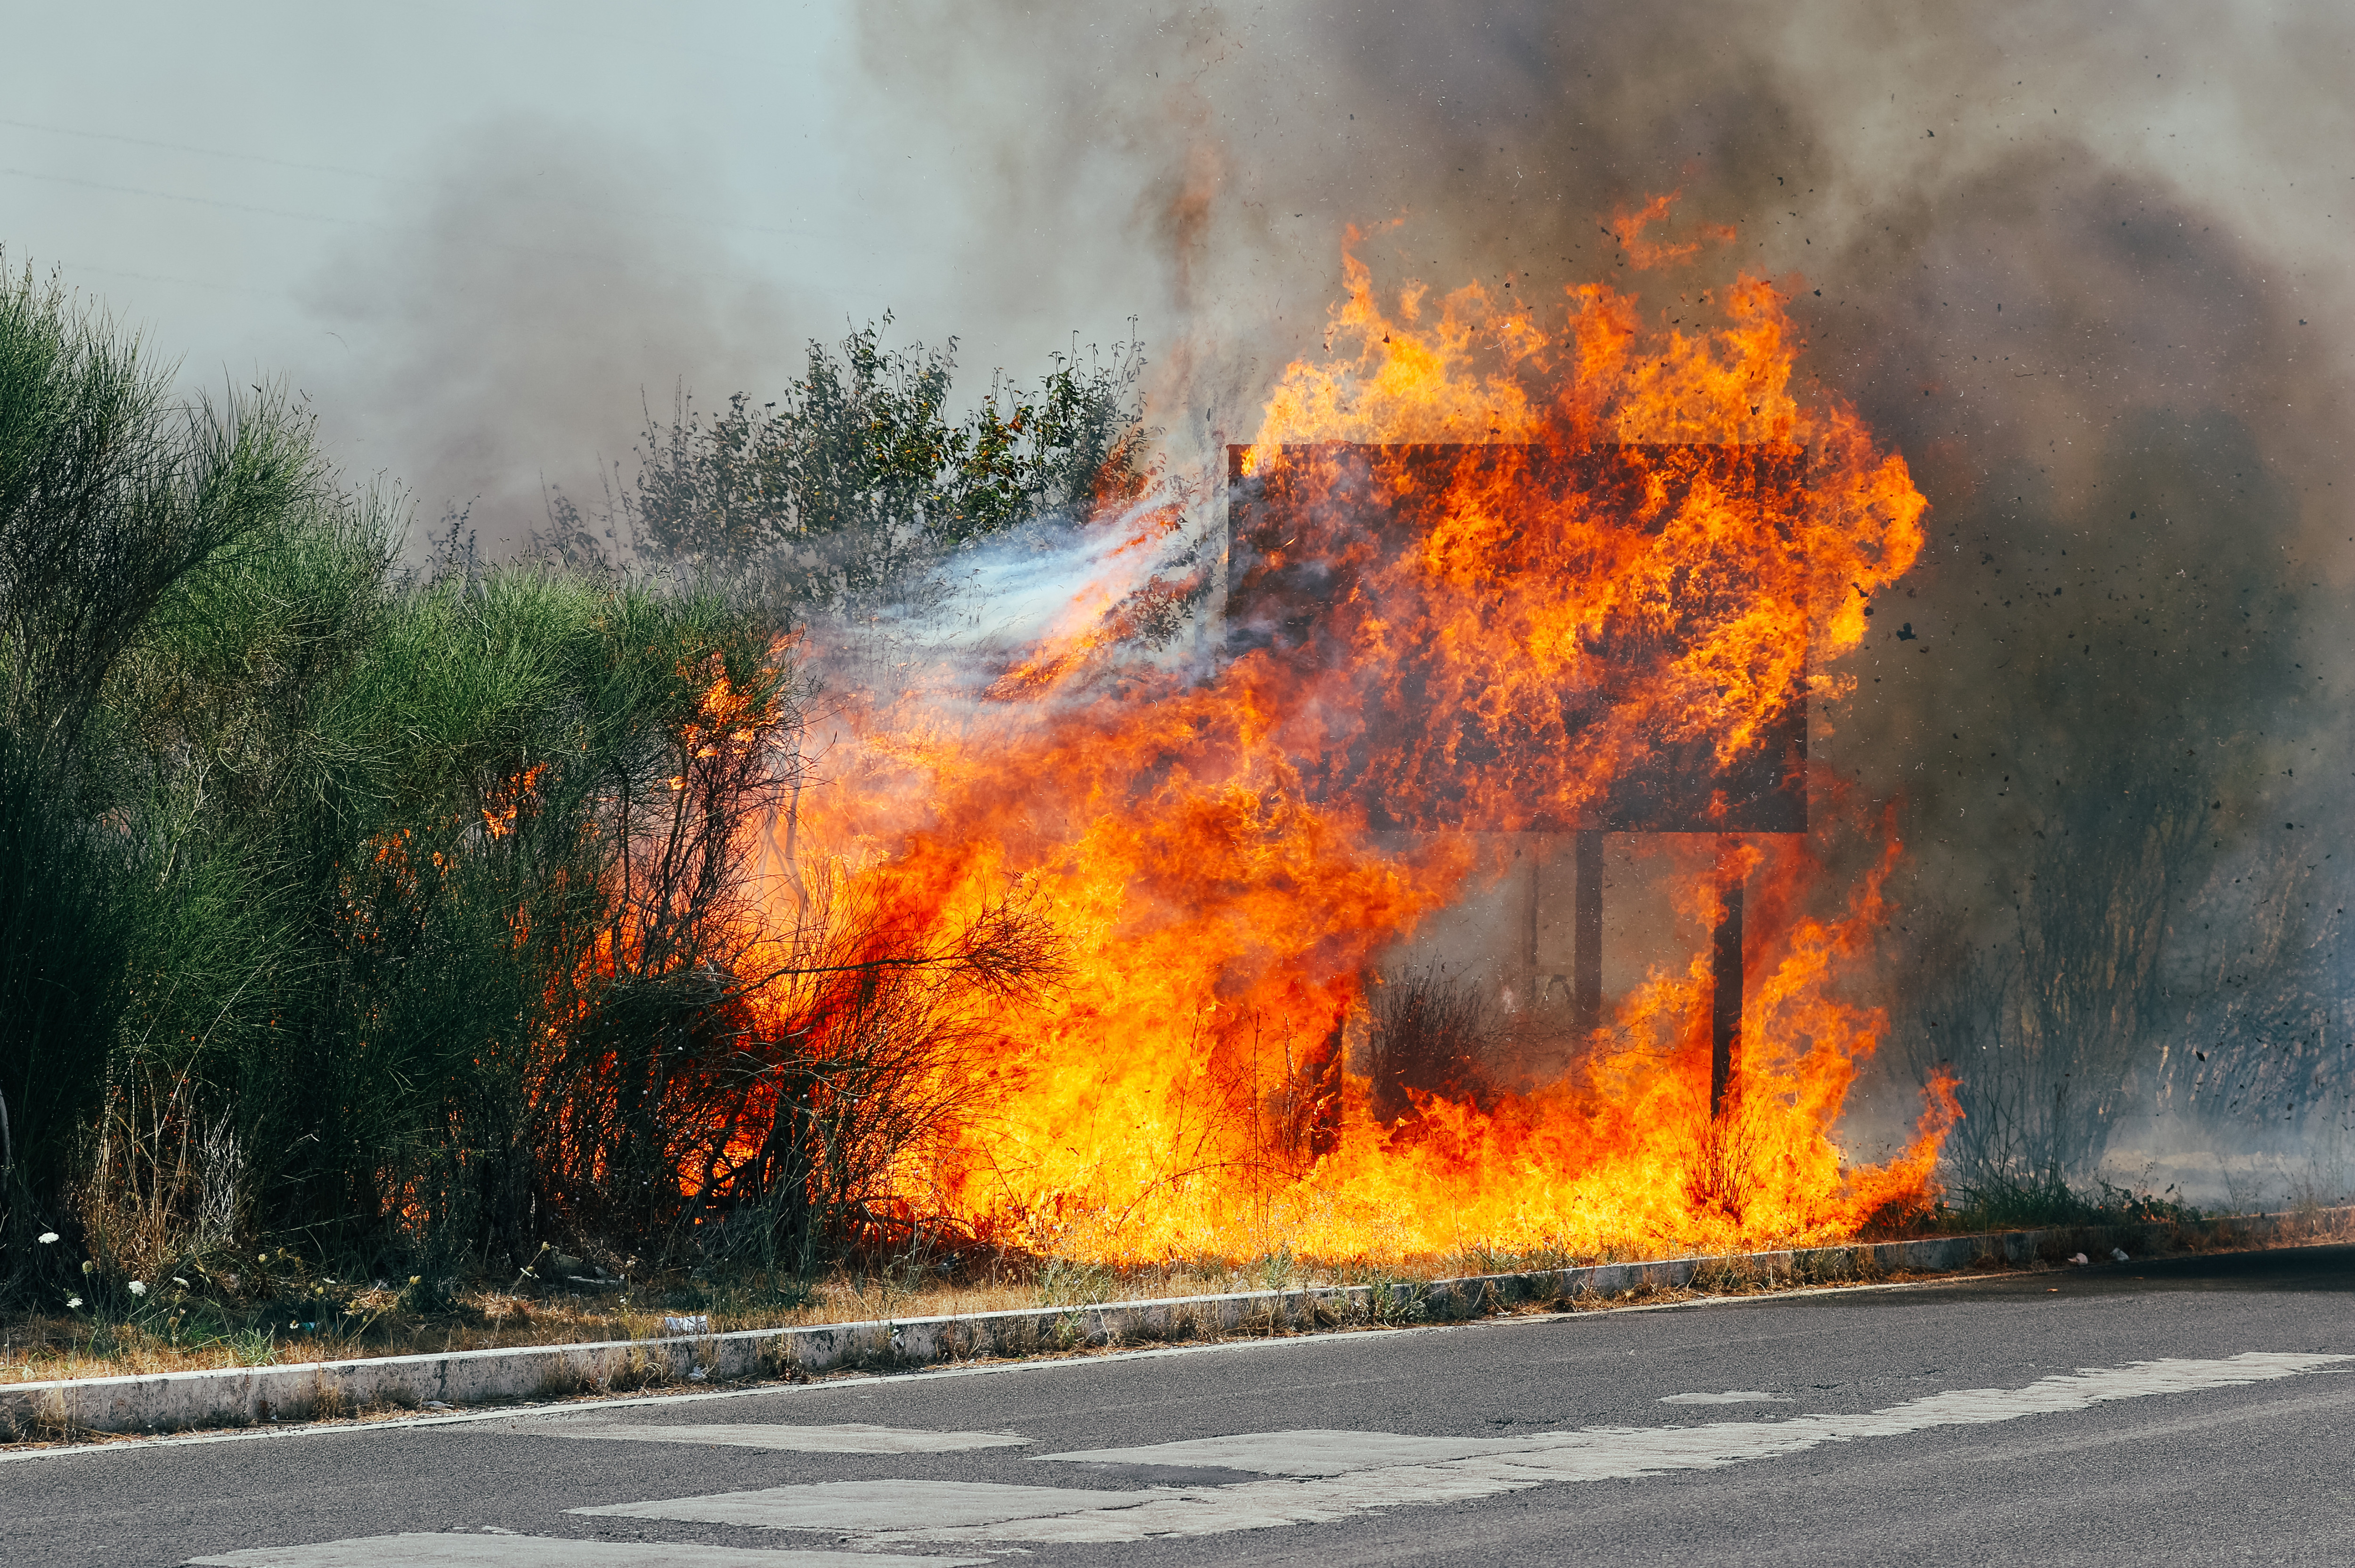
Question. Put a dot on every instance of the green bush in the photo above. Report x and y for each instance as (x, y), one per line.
(311, 871)
(404, 924)
(110, 492)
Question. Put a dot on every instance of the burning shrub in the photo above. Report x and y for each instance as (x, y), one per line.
(419, 915)
(876, 1024)
(569, 896)
(314, 881)
(1430, 1033)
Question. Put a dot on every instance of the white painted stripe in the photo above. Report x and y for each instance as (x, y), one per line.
(1595, 1453)
(866, 1507)
(455, 1550)
(1731, 1396)
(1306, 1452)
(847, 1438)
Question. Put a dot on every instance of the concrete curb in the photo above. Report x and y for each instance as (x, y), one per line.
(325, 1390)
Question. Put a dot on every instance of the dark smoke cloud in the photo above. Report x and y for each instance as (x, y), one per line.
(2082, 269)
(507, 331)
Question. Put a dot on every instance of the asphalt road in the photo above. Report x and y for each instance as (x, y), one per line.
(2018, 1419)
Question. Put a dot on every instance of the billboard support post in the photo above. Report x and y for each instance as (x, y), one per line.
(1586, 939)
(1725, 993)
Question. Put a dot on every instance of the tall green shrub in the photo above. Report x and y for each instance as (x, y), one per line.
(111, 492)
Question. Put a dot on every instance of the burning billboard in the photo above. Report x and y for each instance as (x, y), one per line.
(1485, 579)
(1426, 746)
(1430, 741)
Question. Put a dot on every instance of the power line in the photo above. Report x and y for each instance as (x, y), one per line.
(799, 232)
(540, 251)
(168, 278)
(205, 151)
(196, 200)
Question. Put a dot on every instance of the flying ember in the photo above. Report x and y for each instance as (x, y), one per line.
(1488, 582)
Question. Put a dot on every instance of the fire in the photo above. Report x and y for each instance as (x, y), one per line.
(1617, 551)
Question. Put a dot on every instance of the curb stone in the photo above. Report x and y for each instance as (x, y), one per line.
(241, 1396)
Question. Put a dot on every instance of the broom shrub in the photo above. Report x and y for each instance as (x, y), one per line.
(406, 922)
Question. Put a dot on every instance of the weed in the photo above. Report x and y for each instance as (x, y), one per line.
(637, 1369)
(1065, 1283)
(2041, 1204)
(778, 1361)
(1395, 1302)
(53, 1419)
(327, 1400)
(563, 1380)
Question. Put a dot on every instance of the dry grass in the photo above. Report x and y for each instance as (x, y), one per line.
(40, 1349)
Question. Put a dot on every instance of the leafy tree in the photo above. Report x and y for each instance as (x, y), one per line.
(855, 483)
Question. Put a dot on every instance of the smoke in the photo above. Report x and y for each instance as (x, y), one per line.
(2072, 266)
(507, 333)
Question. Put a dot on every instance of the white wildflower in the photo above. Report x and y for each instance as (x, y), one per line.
(73, 1301)
(45, 1237)
(138, 1287)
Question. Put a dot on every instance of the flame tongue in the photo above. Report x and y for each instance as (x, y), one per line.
(1485, 579)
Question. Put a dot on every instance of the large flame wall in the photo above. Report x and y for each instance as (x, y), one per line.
(1224, 907)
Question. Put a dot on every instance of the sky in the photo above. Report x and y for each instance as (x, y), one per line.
(484, 238)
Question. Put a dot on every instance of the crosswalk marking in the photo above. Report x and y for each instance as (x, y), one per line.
(1330, 1476)
(456, 1550)
(1731, 1396)
(849, 1438)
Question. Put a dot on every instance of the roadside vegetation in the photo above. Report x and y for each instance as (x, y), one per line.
(371, 934)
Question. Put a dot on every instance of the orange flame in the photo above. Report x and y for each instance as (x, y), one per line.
(1223, 857)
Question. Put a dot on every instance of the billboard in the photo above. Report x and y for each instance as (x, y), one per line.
(1502, 638)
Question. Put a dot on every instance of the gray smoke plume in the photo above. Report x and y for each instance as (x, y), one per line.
(510, 331)
(2079, 269)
